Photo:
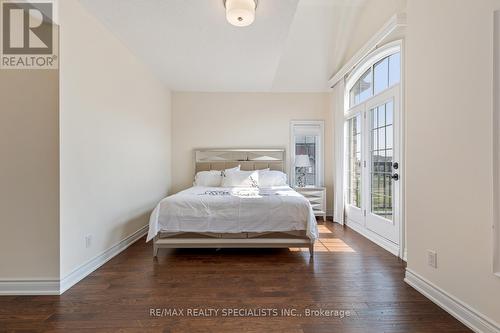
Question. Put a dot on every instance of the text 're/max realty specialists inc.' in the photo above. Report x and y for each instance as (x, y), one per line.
(249, 312)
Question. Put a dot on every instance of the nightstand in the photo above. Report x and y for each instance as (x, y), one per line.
(317, 197)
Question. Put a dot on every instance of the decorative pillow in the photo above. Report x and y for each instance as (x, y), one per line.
(208, 178)
(241, 179)
(223, 172)
(272, 178)
(262, 170)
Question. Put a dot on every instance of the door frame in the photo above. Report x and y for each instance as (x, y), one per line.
(370, 60)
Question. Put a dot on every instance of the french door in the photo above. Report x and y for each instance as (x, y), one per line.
(373, 167)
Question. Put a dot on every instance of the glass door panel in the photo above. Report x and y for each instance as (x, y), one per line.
(381, 160)
(354, 166)
(354, 170)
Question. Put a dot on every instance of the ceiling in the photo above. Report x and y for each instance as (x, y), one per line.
(293, 45)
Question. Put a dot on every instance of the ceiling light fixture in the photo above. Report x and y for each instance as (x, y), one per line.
(240, 13)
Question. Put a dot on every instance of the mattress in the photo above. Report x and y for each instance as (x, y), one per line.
(232, 211)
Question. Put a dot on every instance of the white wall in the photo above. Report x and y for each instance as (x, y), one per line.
(363, 26)
(496, 144)
(115, 138)
(238, 120)
(29, 175)
(449, 147)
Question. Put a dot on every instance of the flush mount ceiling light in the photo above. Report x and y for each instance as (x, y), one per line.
(240, 13)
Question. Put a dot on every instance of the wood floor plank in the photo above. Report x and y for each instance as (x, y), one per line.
(348, 273)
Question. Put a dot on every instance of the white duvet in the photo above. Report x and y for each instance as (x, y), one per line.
(233, 210)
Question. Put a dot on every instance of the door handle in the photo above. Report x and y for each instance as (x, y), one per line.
(395, 176)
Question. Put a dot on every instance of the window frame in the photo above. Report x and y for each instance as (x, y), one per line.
(320, 150)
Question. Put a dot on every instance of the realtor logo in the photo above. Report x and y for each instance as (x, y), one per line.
(28, 35)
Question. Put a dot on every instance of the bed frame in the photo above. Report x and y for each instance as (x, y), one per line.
(248, 159)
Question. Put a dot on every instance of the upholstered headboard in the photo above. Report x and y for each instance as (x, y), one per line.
(249, 159)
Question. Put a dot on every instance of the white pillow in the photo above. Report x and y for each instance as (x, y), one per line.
(223, 172)
(272, 178)
(208, 178)
(212, 178)
(263, 170)
(241, 179)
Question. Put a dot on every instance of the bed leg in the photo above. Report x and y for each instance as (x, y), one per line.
(155, 248)
(311, 249)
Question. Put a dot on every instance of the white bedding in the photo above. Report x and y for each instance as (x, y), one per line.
(233, 210)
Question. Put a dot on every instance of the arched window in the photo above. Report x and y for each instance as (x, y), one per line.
(378, 73)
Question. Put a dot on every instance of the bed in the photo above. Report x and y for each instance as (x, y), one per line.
(234, 217)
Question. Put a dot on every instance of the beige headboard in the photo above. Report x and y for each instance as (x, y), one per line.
(249, 159)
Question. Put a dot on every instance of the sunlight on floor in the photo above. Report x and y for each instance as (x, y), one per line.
(327, 243)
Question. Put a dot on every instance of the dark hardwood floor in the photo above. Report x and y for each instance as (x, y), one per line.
(348, 273)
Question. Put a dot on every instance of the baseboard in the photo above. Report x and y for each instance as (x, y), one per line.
(380, 241)
(57, 287)
(470, 317)
(81, 272)
(29, 287)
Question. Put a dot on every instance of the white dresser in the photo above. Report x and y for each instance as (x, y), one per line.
(317, 198)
